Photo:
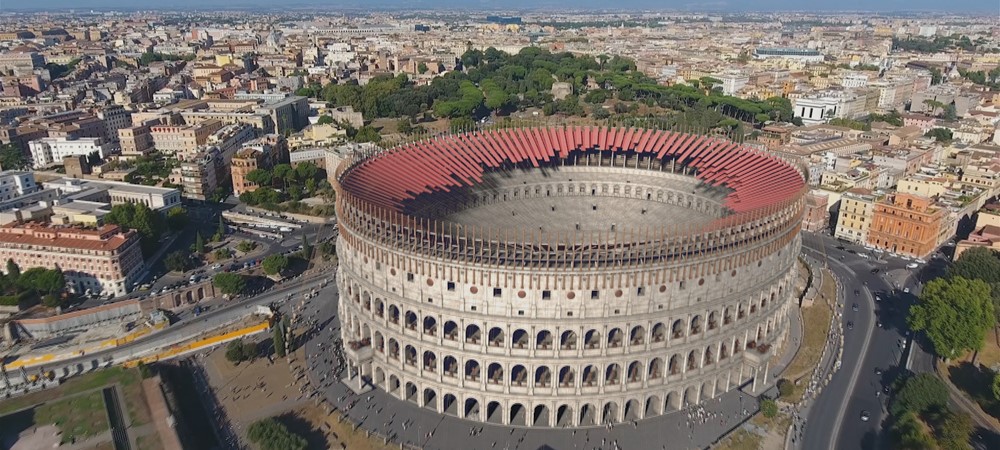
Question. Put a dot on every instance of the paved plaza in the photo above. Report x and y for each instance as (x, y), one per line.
(405, 422)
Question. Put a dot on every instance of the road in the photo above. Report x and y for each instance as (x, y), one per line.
(834, 419)
(179, 332)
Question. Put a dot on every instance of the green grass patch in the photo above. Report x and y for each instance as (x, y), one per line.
(741, 440)
(79, 417)
(129, 379)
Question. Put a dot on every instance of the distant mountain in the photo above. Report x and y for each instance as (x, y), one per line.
(953, 6)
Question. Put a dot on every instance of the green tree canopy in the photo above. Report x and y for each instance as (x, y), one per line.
(942, 135)
(177, 261)
(955, 314)
(229, 283)
(238, 351)
(274, 264)
(12, 158)
(177, 219)
(953, 430)
(324, 120)
(136, 216)
(42, 280)
(269, 434)
(909, 433)
(977, 263)
(919, 394)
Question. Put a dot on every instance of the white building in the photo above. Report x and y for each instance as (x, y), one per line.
(854, 80)
(14, 184)
(823, 107)
(796, 54)
(115, 117)
(50, 151)
(732, 81)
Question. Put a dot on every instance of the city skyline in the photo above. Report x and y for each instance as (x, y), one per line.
(681, 6)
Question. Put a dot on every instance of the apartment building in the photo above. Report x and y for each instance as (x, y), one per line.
(263, 153)
(15, 184)
(906, 224)
(50, 151)
(115, 118)
(857, 207)
(181, 139)
(201, 175)
(104, 259)
(136, 141)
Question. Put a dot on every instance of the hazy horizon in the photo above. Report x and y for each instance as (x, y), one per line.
(955, 6)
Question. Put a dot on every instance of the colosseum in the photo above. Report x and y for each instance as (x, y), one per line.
(565, 276)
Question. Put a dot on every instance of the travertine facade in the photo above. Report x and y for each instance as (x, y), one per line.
(564, 324)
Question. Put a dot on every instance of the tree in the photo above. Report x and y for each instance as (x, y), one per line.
(229, 283)
(953, 430)
(220, 231)
(366, 133)
(909, 433)
(177, 261)
(12, 158)
(260, 177)
(177, 219)
(785, 388)
(996, 386)
(269, 434)
(919, 394)
(977, 263)
(238, 351)
(306, 248)
(42, 280)
(144, 370)
(955, 314)
(13, 270)
(324, 120)
(199, 243)
(950, 113)
(246, 246)
(137, 216)
(275, 264)
(942, 135)
(462, 124)
(422, 68)
(52, 301)
(222, 253)
(403, 126)
(278, 339)
(769, 408)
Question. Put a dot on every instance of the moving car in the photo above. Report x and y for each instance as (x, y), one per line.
(865, 415)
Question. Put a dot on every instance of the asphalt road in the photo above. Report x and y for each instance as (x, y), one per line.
(834, 419)
(185, 329)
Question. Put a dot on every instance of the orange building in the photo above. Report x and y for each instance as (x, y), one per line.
(261, 153)
(906, 224)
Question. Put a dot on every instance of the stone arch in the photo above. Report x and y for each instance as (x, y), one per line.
(659, 332)
(615, 337)
(723, 352)
(690, 396)
(177, 300)
(737, 346)
(518, 375)
(707, 391)
(472, 334)
(366, 332)
(568, 340)
(494, 373)
(654, 406)
(692, 360)
(676, 364)
(518, 415)
(472, 370)
(592, 339)
(410, 320)
(696, 325)
(450, 366)
(430, 361)
(393, 384)
(496, 337)
(673, 402)
(634, 372)
(379, 308)
(430, 399)
(410, 355)
(609, 413)
(612, 374)
(633, 410)
(589, 376)
(410, 392)
(588, 415)
(655, 368)
(394, 314)
(677, 329)
(449, 405)
(713, 320)
(519, 339)
(543, 377)
(540, 418)
(393, 348)
(494, 412)
(430, 325)
(201, 293)
(709, 356)
(543, 340)
(740, 311)
(450, 330)
(367, 303)
(564, 416)
(567, 376)
(380, 378)
(638, 335)
(471, 409)
(727, 316)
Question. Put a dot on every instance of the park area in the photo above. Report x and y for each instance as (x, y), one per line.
(76, 408)
(815, 329)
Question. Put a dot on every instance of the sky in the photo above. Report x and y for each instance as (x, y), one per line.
(954, 6)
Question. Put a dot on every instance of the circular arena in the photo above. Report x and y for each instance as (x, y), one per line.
(565, 276)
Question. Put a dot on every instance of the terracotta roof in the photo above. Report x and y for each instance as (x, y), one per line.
(65, 237)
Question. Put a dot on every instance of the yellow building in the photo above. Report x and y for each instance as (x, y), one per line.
(854, 218)
(923, 185)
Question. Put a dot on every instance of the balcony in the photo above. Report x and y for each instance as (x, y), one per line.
(359, 351)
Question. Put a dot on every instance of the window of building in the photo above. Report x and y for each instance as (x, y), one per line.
(451, 286)
(594, 295)
(497, 292)
(546, 295)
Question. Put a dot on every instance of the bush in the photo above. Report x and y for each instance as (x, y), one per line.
(274, 264)
(271, 435)
(769, 408)
(246, 246)
(229, 283)
(919, 394)
(177, 261)
(785, 388)
(238, 351)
